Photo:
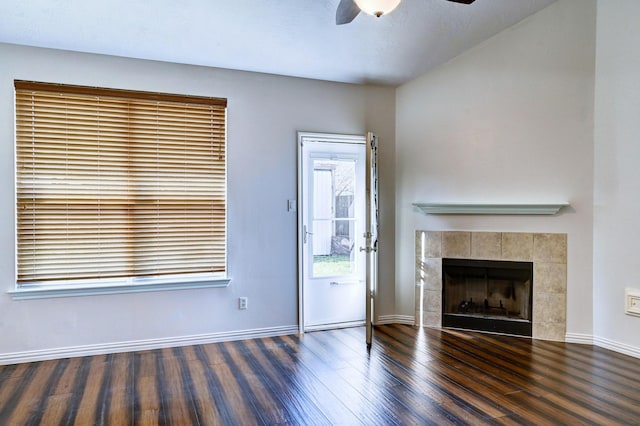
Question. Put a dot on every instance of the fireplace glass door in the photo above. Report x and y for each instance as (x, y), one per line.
(487, 295)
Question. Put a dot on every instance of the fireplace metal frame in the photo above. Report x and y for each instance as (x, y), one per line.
(476, 322)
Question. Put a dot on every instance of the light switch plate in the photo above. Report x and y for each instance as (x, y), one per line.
(632, 301)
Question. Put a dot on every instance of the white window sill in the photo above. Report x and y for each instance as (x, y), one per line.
(117, 286)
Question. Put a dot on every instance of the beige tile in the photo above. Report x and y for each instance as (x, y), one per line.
(417, 296)
(429, 273)
(456, 244)
(432, 319)
(421, 271)
(517, 246)
(428, 244)
(551, 248)
(549, 331)
(550, 277)
(418, 243)
(486, 245)
(432, 301)
(550, 308)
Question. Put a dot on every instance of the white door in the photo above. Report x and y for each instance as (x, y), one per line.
(332, 173)
(371, 233)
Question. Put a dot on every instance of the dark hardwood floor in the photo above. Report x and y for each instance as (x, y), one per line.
(410, 376)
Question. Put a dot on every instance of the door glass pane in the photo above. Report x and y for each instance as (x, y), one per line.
(335, 252)
(334, 225)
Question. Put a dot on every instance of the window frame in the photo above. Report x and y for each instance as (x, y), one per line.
(126, 284)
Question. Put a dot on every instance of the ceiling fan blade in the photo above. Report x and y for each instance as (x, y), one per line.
(346, 12)
(462, 1)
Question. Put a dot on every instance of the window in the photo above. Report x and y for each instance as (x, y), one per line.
(116, 185)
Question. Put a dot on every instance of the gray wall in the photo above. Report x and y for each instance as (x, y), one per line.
(508, 121)
(264, 114)
(617, 172)
(511, 120)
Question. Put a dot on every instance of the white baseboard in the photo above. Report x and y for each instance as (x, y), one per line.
(143, 345)
(617, 347)
(587, 339)
(582, 339)
(396, 319)
(334, 326)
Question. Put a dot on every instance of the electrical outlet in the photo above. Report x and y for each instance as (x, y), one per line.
(632, 301)
(243, 303)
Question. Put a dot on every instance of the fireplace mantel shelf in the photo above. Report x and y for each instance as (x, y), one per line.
(491, 209)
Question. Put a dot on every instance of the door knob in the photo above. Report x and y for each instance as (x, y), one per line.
(368, 249)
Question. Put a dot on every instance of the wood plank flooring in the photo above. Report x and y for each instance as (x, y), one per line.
(410, 376)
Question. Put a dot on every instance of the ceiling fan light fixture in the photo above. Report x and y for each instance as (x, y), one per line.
(377, 7)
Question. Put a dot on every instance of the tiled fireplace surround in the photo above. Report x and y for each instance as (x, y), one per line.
(548, 252)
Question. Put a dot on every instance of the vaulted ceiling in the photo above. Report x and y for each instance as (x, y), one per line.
(287, 37)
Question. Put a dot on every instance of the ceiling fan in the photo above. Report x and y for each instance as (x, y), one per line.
(349, 9)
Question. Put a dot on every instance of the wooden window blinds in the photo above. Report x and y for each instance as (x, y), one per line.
(114, 183)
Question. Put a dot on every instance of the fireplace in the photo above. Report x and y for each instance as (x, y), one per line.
(487, 295)
(547, 252)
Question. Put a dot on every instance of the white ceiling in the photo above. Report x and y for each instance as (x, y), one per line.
(287, 37)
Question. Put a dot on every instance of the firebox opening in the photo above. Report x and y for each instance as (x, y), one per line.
(487, 295)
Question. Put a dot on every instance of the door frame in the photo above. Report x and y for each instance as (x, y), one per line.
(315, 137)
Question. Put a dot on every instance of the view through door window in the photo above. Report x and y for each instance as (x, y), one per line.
(334, 224)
